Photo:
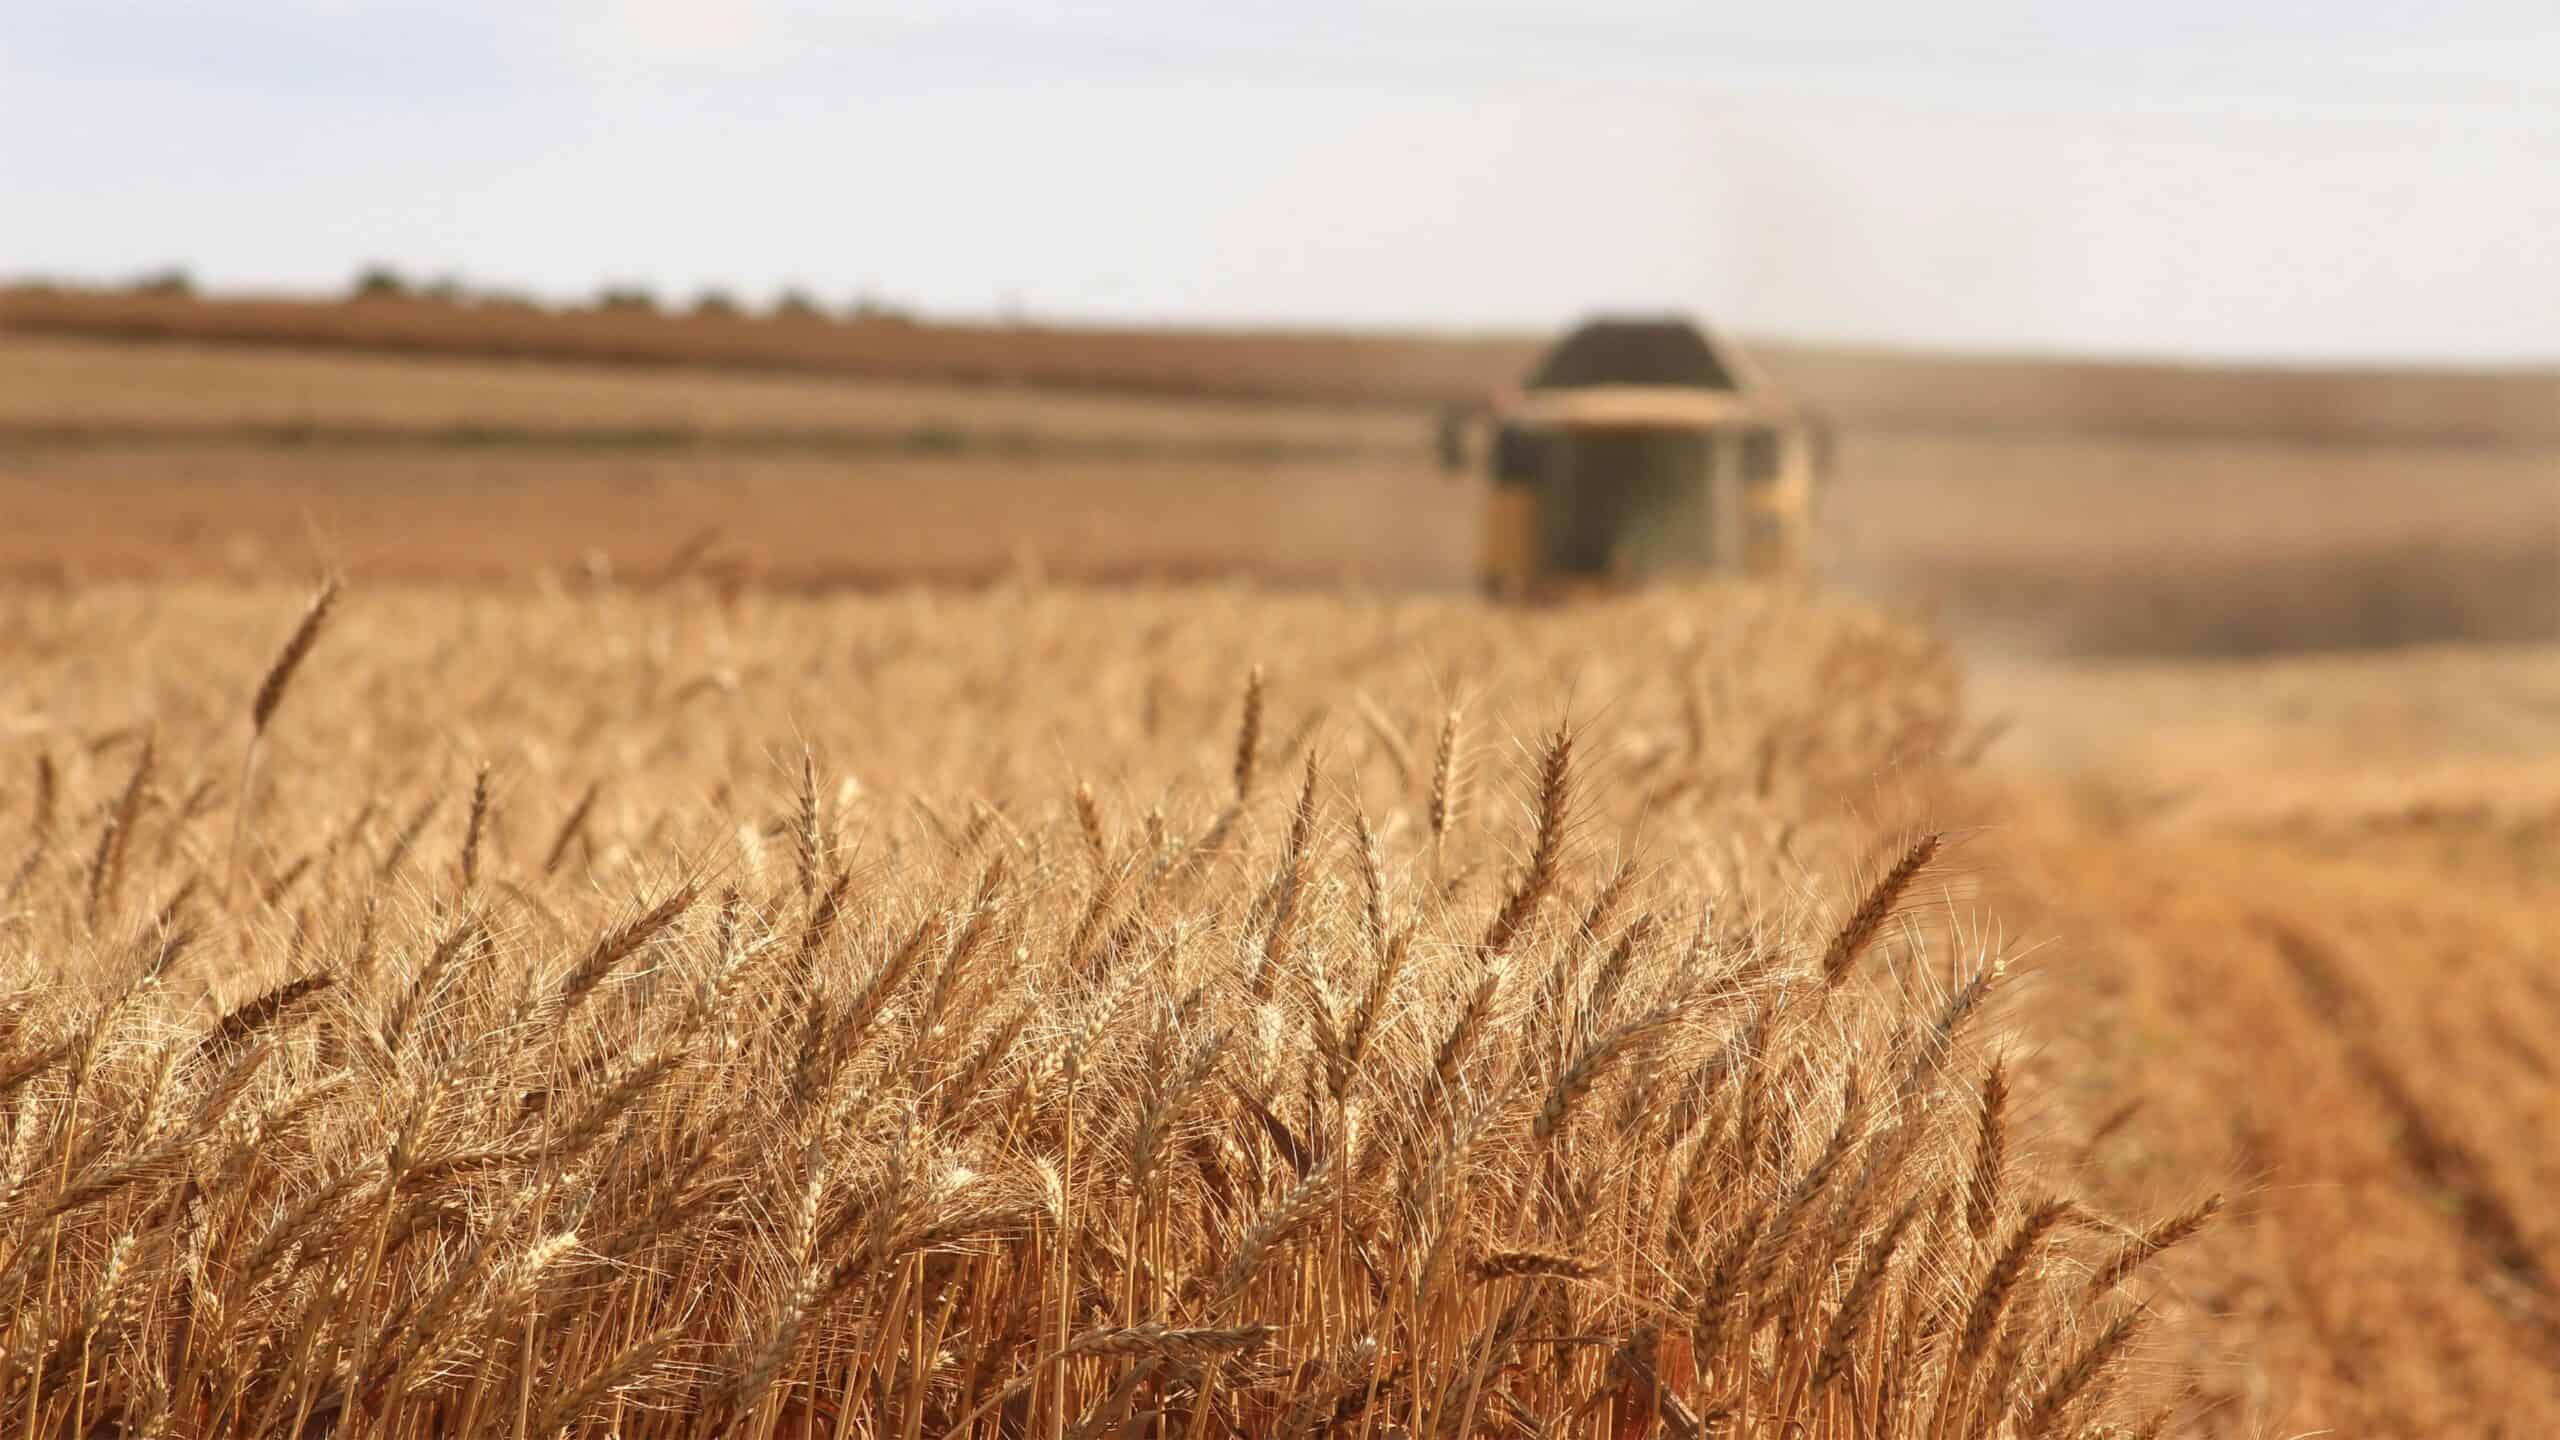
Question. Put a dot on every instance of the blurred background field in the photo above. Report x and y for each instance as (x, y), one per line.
(2069, 508)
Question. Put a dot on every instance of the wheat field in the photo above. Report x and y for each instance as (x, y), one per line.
(648, 989)
(1176, 1012)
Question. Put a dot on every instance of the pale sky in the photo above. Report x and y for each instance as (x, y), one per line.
(2354, 180)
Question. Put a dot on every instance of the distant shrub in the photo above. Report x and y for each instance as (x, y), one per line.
(797, 304)
(872, 310)
(626, 297)
(172, 281)
(445, 290)
(715, 302)
(378, 282)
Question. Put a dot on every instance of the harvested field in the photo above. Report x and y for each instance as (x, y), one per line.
(785, 520)
(611, 1013)
(2016, 547)
(2301, 920)
(2056, 545)
(183, 459)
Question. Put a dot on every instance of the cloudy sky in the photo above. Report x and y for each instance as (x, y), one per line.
(2359, 180)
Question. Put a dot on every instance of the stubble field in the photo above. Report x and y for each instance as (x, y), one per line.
(2300, 919)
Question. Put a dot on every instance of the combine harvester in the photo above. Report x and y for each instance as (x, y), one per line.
(1640, 448)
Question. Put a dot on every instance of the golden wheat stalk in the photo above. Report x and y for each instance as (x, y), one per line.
(262, 712)
(1864, 923)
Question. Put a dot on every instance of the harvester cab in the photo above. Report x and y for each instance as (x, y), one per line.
(1638, 448)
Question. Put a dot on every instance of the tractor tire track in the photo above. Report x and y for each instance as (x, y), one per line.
(2506, 1271)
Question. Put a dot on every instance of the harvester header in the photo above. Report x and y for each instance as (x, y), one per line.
(1638, 448)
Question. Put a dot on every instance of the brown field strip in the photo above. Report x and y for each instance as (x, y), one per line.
(1276, 365)
(60, 390)
(784, 520)
(1874, 388)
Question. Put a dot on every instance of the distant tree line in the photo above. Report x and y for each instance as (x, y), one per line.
(383, 282)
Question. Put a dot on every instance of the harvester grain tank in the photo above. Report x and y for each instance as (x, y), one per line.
(1640, 448)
